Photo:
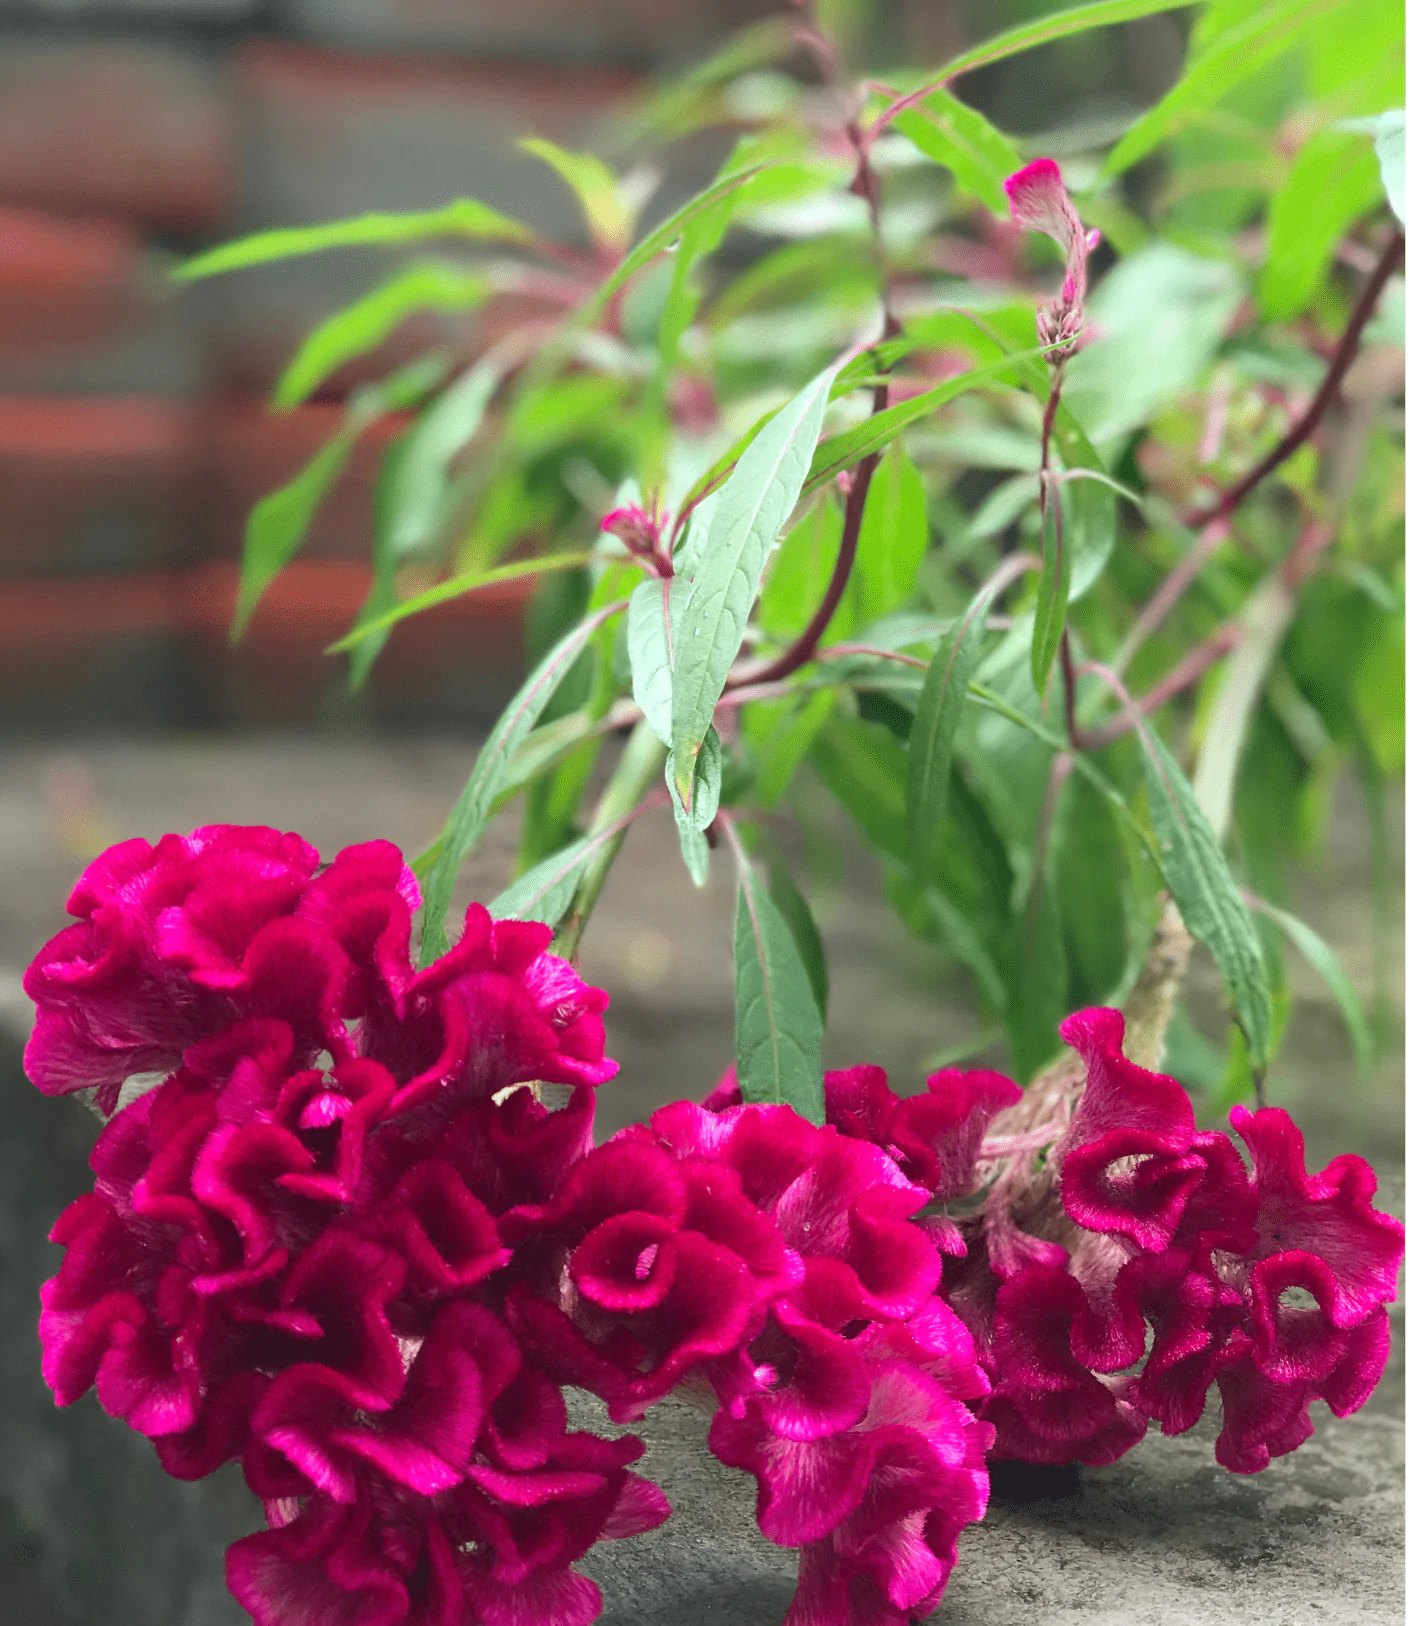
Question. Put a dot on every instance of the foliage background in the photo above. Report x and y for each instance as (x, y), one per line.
(1318, 816)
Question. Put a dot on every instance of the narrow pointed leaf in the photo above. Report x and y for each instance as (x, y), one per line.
(843, 450)
(468, 818)
(795, 912)
(693, 820)
(1196, 873)
(754, 503)
(1388, 131)
(966, 142)
(1323, 960)
(363, 325)
(779, 1035)
(654, 614)
(465, 218)
(1059, 25)
(276, 528)
(663, 236)
(456, 587)
(596, 187)
(545, 892)
(934, 730)
(422, 490)
(1232, 58)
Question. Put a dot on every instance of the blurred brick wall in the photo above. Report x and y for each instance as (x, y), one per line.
(133, 432)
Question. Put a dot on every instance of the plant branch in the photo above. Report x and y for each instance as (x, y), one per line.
(1304, 426)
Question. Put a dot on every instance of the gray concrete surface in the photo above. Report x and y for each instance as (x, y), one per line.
(91, 1530)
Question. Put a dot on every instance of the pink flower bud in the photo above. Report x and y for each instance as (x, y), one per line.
(1039, 202)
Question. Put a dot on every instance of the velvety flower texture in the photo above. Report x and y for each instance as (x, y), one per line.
(333, 1240)
(292, 1253)
(1143, 1264)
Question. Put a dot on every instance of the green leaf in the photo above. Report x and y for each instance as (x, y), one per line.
(1387, 130)
(456, 587)
(779, 1035)
(1233, 57)
(1213, 910)
(1053, 596)
(892, 537)
(865, 770)
(695, 815)
(545, 892)
(1323, 960)
(754, 503)
(464, 218)
(669, 231)
(422, 492)
(468, 818)
(1036, 1007)
(1058, 26)
(1331, 184)
(654, 614)
(934, 730)
(278, 522)
(781, 734)
(966, 142)
(841, 451)
(1160, 316)
(795, 912)
(363, 325)
(798, 572)
(596, 187)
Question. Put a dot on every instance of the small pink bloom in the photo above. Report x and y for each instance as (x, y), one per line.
(1039, 202)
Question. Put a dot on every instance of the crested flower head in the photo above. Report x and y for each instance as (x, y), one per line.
(1039, 202)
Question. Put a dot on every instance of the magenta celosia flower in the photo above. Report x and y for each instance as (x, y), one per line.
(1154, 1225)
(1039, 202)
(292, 1255)
(337, 1245)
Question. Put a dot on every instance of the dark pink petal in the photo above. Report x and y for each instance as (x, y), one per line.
(1330, 1215)
(623, 1176)
(239, 1173)
(938, 1134)
(1294, 1342)
(219, 1434)
(1126, 1160)
(1366, 1354)
(344, 1284)
(447, 1236)
(627, 1263)
(823, 1387)
(1261, 1418)
(319, 1570)
(805, 1487)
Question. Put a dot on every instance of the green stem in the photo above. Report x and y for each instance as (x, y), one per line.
(638, 768)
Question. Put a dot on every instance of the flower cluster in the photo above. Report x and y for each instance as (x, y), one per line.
(1141, 1263)
(774, 1265)
(338, 1241)
(292, 1253)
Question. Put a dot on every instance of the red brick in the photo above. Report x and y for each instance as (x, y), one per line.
(153, 648)
(90, 484)
(117, 129)
(64, 285)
